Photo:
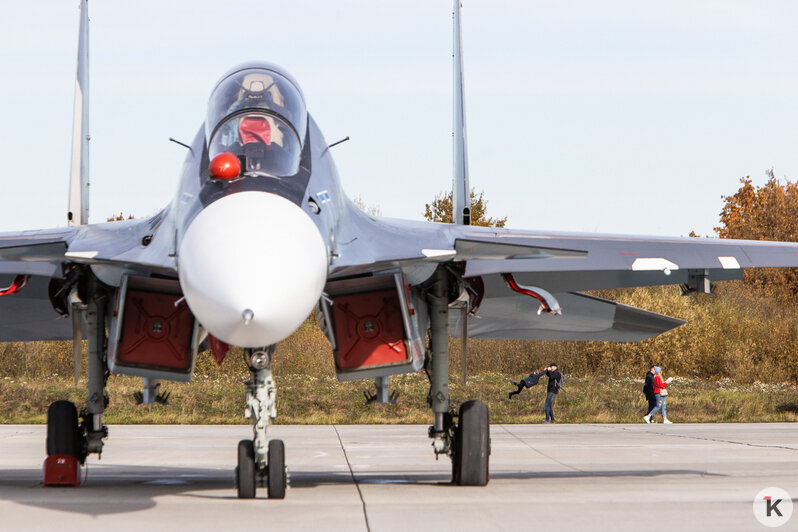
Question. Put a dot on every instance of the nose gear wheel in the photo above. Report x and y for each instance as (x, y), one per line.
(245, 471)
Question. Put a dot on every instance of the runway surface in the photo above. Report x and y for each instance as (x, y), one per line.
(543, 477)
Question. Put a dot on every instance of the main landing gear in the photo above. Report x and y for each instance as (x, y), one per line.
(69, 442)
(467, 442)
(260, 457)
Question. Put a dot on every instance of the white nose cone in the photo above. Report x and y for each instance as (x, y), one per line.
(252, 266)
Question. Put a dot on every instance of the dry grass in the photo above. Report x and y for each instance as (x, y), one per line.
(735, 360)
(312, 400)
(736, 334)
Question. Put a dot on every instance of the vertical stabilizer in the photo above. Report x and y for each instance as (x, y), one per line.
(461, 192)
(78, 210)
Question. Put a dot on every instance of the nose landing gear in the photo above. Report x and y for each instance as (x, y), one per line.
(259, 457)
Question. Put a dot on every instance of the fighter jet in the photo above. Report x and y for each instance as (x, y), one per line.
(260, 234)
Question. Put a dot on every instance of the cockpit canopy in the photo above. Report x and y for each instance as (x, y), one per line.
(259, 115)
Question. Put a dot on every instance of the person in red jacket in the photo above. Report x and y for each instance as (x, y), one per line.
(661, 394)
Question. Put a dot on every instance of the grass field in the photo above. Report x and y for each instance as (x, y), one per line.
(735, 360)
(305, 400)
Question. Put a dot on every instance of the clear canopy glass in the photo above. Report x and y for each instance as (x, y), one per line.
(267, 144)
(258, 114)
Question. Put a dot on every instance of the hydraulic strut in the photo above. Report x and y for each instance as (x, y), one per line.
(261, 401)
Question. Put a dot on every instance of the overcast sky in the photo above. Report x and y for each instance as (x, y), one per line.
(617, 117)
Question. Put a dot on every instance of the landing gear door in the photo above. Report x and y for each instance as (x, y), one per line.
(152, 331)
(372, 326)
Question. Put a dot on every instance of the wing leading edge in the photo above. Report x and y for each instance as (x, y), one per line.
(43, 257)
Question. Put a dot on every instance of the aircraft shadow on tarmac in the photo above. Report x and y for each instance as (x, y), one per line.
(113, 489)
(300, 479)
(124, 489)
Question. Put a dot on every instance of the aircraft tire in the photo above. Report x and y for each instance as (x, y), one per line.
(245, 472)
(472, 445)
(63, 434)
(276, 479)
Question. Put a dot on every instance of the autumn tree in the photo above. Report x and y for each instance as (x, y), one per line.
(440, 210)
(769, 212)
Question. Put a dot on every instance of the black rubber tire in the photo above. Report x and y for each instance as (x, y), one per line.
(471, 465)
(245, 472)
(276, 481)
(63, 432)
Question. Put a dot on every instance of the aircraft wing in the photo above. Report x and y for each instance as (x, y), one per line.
(557, 261)
(129, 243)
(558, 265)
(617, 261)
(367, 244)
(38, 261)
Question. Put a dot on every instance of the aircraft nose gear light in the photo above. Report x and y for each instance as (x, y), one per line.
(259, 359)
(260, 457)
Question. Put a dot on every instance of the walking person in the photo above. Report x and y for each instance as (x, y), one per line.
(648, 389)
(661, 392)
(555, 382)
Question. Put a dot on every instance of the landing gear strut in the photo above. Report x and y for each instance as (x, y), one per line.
(94, 429)
(468, 442)
(260, 457)
(68, 442)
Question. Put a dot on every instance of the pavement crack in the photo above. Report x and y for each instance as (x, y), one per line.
(718, 440)
(505, 429)
(354, 479)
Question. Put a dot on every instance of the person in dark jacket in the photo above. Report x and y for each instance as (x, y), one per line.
(660, 391)
(648, 389)
(528, 382)
(555, 379)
